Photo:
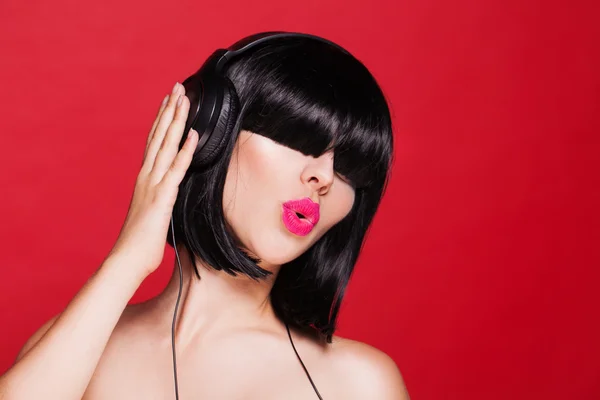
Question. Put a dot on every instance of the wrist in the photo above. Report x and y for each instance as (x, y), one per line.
(122, 269)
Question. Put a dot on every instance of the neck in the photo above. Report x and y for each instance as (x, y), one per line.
(218, 301)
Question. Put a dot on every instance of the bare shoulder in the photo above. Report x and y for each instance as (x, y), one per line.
(367, 371)
(36, 337)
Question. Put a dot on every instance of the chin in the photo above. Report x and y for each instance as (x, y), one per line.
(278, 248)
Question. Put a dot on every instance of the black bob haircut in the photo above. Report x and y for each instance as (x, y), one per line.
(309, 96)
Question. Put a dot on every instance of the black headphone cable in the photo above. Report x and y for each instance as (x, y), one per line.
(175, 312)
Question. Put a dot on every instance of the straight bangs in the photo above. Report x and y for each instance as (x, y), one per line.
(313, 98)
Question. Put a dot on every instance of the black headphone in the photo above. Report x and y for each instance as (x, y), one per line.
(209, 90)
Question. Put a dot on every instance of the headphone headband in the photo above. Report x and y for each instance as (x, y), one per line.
(251, 41)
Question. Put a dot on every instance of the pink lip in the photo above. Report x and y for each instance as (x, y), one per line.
(300, 226)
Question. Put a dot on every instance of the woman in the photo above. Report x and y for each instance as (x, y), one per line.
(267, 236)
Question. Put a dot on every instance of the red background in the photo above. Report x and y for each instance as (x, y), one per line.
(480, 274)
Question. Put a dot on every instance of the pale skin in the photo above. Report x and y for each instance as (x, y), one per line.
(230, 345)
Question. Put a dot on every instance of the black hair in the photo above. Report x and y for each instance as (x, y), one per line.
(312, 97)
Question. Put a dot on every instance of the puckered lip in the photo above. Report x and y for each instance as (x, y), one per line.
(306, 207)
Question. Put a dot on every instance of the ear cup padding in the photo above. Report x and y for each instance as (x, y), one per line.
(223, 129)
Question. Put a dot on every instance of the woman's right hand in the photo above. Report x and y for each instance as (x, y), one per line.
(142, 238)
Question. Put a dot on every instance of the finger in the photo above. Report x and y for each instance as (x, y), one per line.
(160, 131)
(170, 144)
(182, 161)
(162, 107)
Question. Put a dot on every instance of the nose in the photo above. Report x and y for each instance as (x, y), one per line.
(318, 173)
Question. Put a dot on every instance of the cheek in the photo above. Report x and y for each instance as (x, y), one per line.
(260, 162)
(337, 207)
(251, 186)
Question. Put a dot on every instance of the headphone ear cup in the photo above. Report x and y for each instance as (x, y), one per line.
(223, 129)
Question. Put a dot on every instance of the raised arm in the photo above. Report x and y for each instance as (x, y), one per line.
(59, 360)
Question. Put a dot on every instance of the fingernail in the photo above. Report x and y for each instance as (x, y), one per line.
(175, 87)
(165, 100)
(179, 100)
